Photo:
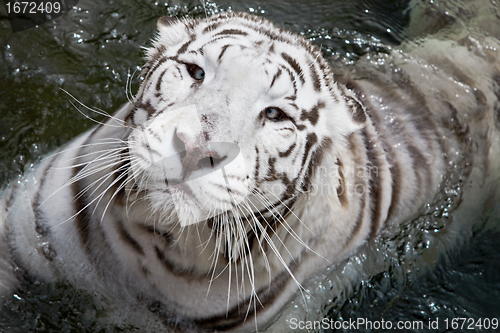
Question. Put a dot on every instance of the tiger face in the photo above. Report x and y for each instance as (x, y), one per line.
(230, 115)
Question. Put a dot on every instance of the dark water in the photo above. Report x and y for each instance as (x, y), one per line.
(92, 51)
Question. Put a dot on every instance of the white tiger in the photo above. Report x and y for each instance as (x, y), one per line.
(241, 169)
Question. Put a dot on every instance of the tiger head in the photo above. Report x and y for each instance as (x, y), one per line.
(232, 119)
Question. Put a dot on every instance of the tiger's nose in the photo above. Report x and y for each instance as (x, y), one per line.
(196, 154)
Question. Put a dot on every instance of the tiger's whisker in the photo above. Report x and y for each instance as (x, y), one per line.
(121, 123)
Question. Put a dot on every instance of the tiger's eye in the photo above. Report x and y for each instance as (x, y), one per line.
(274, 114)
(196, 72)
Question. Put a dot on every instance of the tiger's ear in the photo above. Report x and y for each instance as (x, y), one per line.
(171, 30)
(166, 21)
(356, 109)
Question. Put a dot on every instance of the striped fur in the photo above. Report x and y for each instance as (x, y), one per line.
(240, 170)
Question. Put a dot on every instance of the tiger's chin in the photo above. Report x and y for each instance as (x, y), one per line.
(196, 201)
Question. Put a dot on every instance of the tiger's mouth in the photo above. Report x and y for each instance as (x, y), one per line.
(199, 161)
(184, 178)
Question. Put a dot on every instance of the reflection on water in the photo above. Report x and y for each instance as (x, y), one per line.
(95, 49)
